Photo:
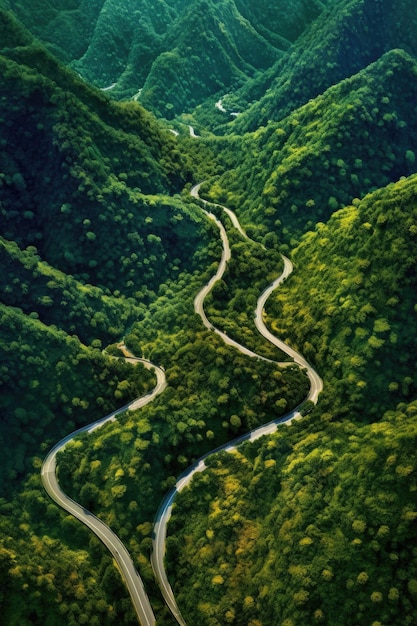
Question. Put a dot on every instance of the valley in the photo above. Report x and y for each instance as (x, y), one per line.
(296, 255)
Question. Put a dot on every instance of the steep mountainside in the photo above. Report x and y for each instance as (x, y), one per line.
(281, 23)
(105, 164)
(89, 233)
(345, 38)
(316, 523)
(66, 26)
(358, 274)
(313, 525)
(100, 241)
(177, 53)
(210, 48)
(359, 135)
(83, 244)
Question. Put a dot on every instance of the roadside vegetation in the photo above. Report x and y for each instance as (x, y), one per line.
(100, 241)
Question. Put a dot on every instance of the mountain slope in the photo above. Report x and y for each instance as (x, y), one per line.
(359, 135)
(315, 524)
(309, 526)
(210, 48)
(192, 49)
(358, 273)
(68, 151)
(89, 234)
(65, 25)
(345, 38)
(83, 248)
(280, 23)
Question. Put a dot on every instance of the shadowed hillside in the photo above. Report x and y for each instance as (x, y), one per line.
(345, 38)
(101, 242)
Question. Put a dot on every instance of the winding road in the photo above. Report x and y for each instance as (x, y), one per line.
(104, 533)
(200, 297)
(316, 385)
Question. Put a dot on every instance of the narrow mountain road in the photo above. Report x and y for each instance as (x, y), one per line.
(200, 297)
(104, 533)
(316, 385)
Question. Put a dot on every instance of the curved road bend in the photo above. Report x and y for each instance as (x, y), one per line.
(111, 541)
(226, 254)
(316, 385)
(236, 224)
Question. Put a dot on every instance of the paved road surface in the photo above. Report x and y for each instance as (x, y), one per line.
(316, 385)
(104, 533)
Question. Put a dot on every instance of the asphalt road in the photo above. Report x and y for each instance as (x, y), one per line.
(104, 533)
(200, 297)
(316, 385)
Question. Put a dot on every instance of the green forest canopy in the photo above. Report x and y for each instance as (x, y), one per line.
(100, 240)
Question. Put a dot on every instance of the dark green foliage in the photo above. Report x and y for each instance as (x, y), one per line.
(84, 247)
(66, 25)
(225, 50)
(173, 55)
(279, 22)
(356, 137)
(57, 298)
(344, 39)
(50, 384)
(89, 224)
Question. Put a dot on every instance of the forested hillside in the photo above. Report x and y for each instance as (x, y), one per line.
(315, 525)
(356, 137)
(359, 276)
(345, 38)
(172, 56)
(101, 242)
(84, 248)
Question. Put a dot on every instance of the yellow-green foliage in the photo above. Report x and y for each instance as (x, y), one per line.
(350, 305)
(314, 528)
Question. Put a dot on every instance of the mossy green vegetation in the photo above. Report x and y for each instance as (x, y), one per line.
(359, 279)
(306, 527)
(214, 394)
(337, 493)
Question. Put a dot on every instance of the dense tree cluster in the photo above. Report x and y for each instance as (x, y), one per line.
(356, 137)
(171, 56)
(305, 527)
(84, 248)
(337, 496)
(358, 274)
(100, 241)
(345, 38)
(231, 304)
